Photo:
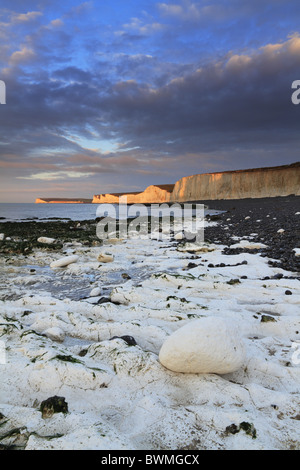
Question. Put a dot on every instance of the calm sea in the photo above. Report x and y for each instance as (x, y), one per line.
(43, 212)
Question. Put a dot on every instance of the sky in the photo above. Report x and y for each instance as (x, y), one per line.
(114, 96)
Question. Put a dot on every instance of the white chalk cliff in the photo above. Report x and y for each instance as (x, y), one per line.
(253, 183)
(238, 184)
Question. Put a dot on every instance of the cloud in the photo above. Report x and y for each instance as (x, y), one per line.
(151, 95)
(26, 17)
(241, 101)
(141, 28)
(55, 175)
(186, 11)
(25, 55)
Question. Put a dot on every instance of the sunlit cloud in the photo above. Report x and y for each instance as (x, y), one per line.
(26, 17)
(55, 175)
(126, 94)
(24, 55)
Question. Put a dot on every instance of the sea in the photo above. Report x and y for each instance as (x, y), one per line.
(20, 212)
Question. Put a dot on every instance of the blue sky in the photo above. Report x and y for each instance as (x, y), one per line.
(114, 96)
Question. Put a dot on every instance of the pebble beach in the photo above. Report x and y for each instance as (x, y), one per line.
(154, 342)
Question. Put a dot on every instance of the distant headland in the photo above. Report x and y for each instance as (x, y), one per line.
(62, 201)
(237, 184)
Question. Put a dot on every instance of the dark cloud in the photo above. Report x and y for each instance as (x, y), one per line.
(233, 98)
(82, 103)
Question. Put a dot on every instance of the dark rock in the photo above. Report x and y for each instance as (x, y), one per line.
(192, 265)
(233, 281)
(104, 300)
(128, 339)
(274, 213)
(53, 405)
(125, 276)
(232, 429)
(83, 352)
(278, 276)
(266, 318)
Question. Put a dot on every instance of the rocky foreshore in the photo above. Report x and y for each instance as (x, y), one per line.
(274, 223)
(153, 342)
(270, 222)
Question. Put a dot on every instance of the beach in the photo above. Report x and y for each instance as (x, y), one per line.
(84, 320)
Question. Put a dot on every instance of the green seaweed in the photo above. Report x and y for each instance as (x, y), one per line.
(67, 358)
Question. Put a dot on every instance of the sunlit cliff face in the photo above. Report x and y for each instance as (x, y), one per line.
(253, 183)
(239, 184)
(152, 194)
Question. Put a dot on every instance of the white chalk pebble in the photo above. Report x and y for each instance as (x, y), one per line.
(2, 236)
(95, 292)
(179, 236)
(46, 240)
(105, 258)
(210, 345)
(62, 262)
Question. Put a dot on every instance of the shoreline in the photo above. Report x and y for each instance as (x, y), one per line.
(266, 217)
(91, 332)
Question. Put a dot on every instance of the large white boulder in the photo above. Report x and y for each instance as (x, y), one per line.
(65, 261)
(207, 345)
